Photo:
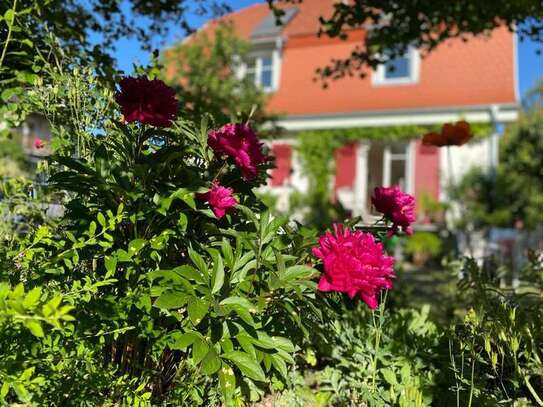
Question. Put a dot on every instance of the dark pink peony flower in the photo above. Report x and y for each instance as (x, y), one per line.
(354, 263)
(397, 206)
(239, 142)
(38, 143)
(147, 101)
(220, 198)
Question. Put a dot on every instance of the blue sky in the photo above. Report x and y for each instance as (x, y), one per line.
(530, 65)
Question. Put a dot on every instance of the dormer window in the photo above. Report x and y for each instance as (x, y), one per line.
(262, 68)
(403, 69)
(264, 64)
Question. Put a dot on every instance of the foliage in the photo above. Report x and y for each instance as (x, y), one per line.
(487, 353)
(25, 319)
(487, 201)
(495, 349)
(169, 302)
(423, 242)
(384, 363)
(202, 69)
(515, 191)
(35, 35)
(431, 207)
(423, 24)
(13, 160)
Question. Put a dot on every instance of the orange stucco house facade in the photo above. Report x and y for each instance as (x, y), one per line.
(474, 80)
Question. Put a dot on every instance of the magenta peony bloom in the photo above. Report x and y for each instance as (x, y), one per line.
(38, 143)
(354, 263)
(397, 206)
(220, 198)
(147, 101)
(239, 142)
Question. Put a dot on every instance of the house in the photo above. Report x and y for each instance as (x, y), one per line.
(475, 81)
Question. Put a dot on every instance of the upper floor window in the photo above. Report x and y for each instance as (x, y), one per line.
(262, 69)
(402, 69)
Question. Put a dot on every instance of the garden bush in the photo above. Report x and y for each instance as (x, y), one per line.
(170, 287)
(166, 280)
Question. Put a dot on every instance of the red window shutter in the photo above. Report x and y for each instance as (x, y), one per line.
(283, 164)
(426, 171)
(345, 166)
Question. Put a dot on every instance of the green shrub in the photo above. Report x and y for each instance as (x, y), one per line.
(169, 303)
(423, 242)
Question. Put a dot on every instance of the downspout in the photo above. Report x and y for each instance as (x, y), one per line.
(494, 142)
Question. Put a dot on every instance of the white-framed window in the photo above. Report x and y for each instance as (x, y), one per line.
(389, 165)
(263, 68)
(400, 70)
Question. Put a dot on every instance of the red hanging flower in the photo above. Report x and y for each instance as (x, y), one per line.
(355, 264)
(38, 143)
(147, 101)
(239, 142)
(451, 135)
(397, 206)
(221, 199)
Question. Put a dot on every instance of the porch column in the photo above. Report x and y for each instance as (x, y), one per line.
(361, 180)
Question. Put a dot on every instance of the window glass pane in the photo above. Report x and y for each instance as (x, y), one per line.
(251, 63)
(266, 78)
(398, 148)
(267, 62)
(397, 173)
(397, 68)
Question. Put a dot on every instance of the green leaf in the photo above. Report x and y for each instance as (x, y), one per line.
(246, 343)
(227, 382)
(111, 265)
(135, 246)
(4, 390)
(171, 300)
(217, 279)
(183, 222)
(32, 298)
(9, 15)
(21, 391)
(242, 302)
(211, 362)
(240, 275)
(389, 376)
(179, 341)
(197, 309)
(249, 213)
(273, 227)
(283, 343)
(227, 253)
(190, 273)
(280, 365)
(242, 306)
(248, 366)
(35, 328)
(101, 220)
(298, 272)
(199, 350)
(198, 262)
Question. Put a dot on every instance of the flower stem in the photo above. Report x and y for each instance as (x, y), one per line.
(10, 29)
(471, 387)
(219, 172)
(378, 332)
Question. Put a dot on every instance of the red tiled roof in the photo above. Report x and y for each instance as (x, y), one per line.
(478, 72)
